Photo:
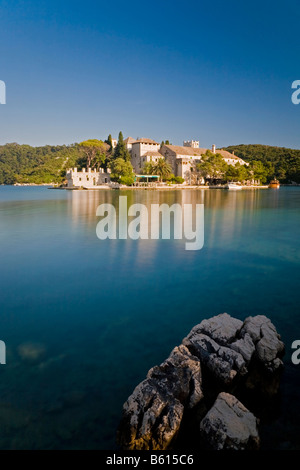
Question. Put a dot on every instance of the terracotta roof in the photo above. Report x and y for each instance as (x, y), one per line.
(226, 154)
(189, 151)
(145, 140)
(129, 140)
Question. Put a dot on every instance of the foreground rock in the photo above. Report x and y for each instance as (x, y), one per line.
(230, 426)
(226, 345)
(235, 354)
(153, 413)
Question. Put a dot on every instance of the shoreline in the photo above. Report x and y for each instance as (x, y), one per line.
(145, 188)
(158, 188)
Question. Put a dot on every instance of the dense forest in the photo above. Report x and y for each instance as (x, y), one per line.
(280, 162)
(26, 164)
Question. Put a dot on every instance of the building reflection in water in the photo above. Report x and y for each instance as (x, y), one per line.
(226, 213)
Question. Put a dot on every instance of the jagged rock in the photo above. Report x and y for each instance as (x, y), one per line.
(222, 328)
(266, 339)
(211, 341)
(230, 349)
(229, 425)
(150, 420)
(152, 414)
(245, 347)
(226, 345)
(180, 376)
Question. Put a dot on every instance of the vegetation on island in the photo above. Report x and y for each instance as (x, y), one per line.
(280, 162)
(44, 165)
(122, 171)
(214, 168)
(37, 165)
(121, 149)
(94, 153)
(119, 164)
(162, 169)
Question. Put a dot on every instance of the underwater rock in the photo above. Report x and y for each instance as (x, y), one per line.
(31, 352)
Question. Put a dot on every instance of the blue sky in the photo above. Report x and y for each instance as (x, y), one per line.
(219, 72)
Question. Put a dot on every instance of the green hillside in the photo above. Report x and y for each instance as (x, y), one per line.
(280, 162)
(47, 164)
(26, 164)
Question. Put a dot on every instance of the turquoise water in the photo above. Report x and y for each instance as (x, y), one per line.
(84, 319)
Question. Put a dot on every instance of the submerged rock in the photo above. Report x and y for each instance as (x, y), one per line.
(31, 352)
(247, 354)
(229, 425)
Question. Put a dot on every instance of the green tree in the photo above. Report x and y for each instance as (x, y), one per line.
(177, 179)
(162, 169)
(212, 166)
(122, 171)
(237, 172)
(204, 169)
(149, 168)
(121, 150)
(109, 142)
(95, 152)
(258, 171)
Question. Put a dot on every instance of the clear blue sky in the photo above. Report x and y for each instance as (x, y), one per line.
(216, 71)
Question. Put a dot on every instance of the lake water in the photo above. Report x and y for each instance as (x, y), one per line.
(84, 319)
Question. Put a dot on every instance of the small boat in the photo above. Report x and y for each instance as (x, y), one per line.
(274, 184)
(233, 186)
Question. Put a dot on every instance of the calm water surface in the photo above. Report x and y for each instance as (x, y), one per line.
(84, 319)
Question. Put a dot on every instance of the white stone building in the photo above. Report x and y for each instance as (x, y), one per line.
(191, 143)
(87, 178)
(231, 159)
(128, 142)
(144, 151)
(183, 160)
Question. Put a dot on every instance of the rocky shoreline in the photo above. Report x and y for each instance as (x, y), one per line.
(208, 392)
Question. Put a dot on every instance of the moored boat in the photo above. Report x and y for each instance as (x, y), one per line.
(233, 186)
(274, 184)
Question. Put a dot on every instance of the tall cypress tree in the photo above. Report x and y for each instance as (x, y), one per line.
(109, 142)
(121, 150)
